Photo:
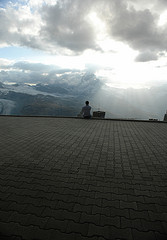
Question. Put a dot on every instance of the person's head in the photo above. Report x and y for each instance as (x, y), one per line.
(87, 102)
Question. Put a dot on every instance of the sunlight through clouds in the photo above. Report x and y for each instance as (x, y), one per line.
(163, 19)
(125, 40)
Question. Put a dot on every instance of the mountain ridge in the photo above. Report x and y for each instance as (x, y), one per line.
(62, 98)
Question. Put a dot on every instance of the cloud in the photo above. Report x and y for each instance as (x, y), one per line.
(29, 72)
(5, 63)
(39, 68)
(137, 28)
(16, 26)
(35, 67)
(64, 26)
(74, 82)
(146, 56)
(92, 67)
(160, 5)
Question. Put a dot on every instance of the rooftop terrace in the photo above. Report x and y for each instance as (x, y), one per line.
(76, 179)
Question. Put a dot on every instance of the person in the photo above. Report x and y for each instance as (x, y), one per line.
(86, 110)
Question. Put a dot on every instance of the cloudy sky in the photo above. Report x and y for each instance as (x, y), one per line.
(124, 42)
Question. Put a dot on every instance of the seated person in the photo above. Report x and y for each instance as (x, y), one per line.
(86, 110)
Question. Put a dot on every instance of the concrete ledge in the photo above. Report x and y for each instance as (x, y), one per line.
(93, 118)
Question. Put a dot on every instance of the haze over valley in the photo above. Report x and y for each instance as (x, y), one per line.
(63, 94)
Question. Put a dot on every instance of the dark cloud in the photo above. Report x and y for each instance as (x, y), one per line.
(146, 56)
(137, 28)
(160, 5)
(67, 25)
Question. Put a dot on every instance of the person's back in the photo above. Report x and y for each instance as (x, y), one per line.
(86, 110)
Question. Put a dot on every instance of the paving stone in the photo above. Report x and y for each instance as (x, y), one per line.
(65, 178)
(68, 215)
(107, 211)
(77, 228)
(98, 231)
(62, 236)
(134, 224)
(36, 221)
(18, 218)
(8, 229)
(118, 233)
(56, 224)
(80, 237)
(110, 221)
(146, 207)
(139, 215)
(88, 218)
(82, 208)
(55, 213)
(97, 210)
(13, 206)
(119, 212)
(160, 236)
(153, 226)
(137, 235)
(5, 215)
(128, 205)
(157, 216)
(36, 233)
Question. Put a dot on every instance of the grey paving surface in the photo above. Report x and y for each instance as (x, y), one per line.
(82, 179)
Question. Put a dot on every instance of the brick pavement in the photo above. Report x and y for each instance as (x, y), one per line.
(76, 179)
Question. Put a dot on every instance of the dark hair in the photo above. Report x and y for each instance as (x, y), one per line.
(87, 102)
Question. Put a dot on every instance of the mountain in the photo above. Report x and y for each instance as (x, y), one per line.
(53, 99)
(66, 94)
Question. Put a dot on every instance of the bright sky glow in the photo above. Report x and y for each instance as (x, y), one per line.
(163, 18)
(122, 42)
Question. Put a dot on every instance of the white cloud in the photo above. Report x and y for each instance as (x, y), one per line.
(38, 3)
(71, 27)
(5, 62)
(19, 26)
